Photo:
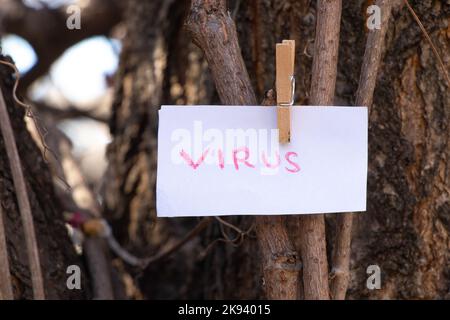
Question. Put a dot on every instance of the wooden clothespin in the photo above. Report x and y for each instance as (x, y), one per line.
(285, 84)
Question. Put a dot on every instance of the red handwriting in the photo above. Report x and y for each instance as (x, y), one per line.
(237, 160)
(221, 159)
(289, 155)
(269, 165)
(241, 157)
(189, 160)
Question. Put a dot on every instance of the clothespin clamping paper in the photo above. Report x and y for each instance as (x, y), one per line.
(285, 85)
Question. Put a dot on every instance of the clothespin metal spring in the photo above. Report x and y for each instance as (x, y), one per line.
(291, 102)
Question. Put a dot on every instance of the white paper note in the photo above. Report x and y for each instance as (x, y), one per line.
(226, 160)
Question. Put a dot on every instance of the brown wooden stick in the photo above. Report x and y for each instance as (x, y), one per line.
(214, 32)
(312, 227)
(326, 49)
(281, 265)
(372, 57)
(364, 95)
(23, 201)
(205, 222)
(6, 290)
(99, 268)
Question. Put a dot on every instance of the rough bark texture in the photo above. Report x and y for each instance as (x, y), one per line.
(55, 256)
(406, 228)
(213, 30)
(323, 83)
(23, 201)
(280, 262)
(340, 273)
(6, 290)
(129, 192)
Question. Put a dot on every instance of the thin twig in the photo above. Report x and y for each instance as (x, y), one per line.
(6, 291)
(229, 225)
(143, 263)
(23, 200)
(372, 56)
(69, 112)
(192, 234)
(41, 131)
(433, 47)
(237, 241)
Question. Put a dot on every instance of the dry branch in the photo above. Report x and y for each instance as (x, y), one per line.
(6, 290)
(364, 95)
(189, 236)
(312, 227)
(214, 31)
(23, 201)
(69, 112)
(280, 261)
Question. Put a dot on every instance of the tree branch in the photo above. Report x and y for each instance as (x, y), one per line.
(312, 227)
(6, 290)
(189, 236)
(364, 95)
(281, 265)
(69, 112)
(214, 31)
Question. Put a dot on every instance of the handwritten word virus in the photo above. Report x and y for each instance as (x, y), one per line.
(232, 149)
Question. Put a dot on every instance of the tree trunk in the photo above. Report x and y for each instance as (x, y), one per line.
(406, 228)
(55, 247)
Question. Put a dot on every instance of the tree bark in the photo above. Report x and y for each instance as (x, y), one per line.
(364, 96)
(406, 228)
(281, 264)
(149, 75)
(6, 290)
(23, 201)
(324, 73)
(55, 256)
(130, 188)
(213, 31)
